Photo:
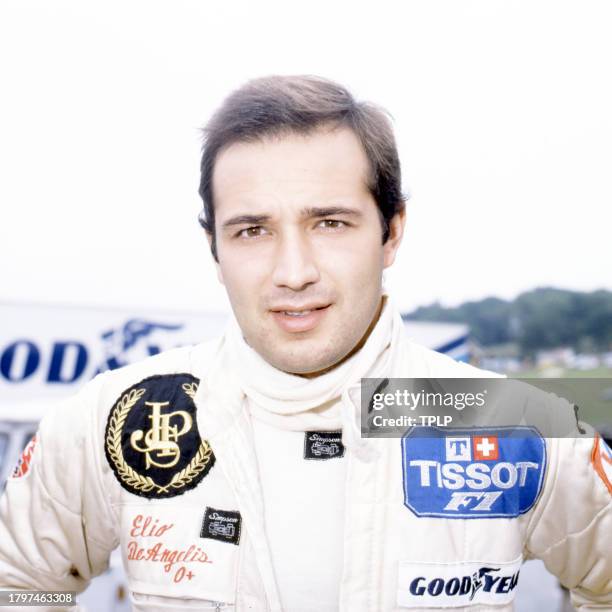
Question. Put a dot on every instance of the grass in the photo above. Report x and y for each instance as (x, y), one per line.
(591, 390)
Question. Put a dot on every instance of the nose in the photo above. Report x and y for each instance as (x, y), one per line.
(295, 266)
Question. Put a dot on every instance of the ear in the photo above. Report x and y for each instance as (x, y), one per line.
(215, 261)
(396, 233)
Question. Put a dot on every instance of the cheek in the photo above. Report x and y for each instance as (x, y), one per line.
(356, 264)
(242, 262)
(238, 280)
(245, 281)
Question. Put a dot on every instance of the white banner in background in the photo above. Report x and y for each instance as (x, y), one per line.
(47, 352)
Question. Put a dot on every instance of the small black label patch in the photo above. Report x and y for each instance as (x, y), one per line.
(323, 445)
(152, 441)
(222, 525)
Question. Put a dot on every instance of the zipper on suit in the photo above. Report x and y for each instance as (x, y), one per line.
(217, 606)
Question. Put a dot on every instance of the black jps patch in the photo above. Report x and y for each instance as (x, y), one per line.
(323, 444)
(152, 441)
(223, 525)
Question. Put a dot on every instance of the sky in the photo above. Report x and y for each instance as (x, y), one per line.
(501, 111)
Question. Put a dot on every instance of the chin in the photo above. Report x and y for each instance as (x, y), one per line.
(304, 364)
(305, 354)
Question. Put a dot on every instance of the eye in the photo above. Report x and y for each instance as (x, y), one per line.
(332, 224)
(251, 232)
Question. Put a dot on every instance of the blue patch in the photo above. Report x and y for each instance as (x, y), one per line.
(472, 472)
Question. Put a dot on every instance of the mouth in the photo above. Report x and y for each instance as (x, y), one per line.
(299, 310)
(300, 313)
(293, 319)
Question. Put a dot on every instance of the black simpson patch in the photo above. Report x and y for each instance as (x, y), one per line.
(223, 525)
(152, 441)
(323, 444)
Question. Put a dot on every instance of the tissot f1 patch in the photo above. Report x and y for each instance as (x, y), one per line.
(222, 525)
(454, 585)
(601, 458)
(152, 441)
(23, 465)
(472, 472)
(323, 444)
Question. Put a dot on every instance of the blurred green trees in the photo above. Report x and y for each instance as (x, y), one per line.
(540, 319)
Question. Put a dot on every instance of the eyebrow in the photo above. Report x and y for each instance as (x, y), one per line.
(314, 212)
(246, 220)
(311, 212)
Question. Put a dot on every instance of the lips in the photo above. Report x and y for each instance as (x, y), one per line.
(293, 320)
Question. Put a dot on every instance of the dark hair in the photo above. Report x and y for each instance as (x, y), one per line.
(271, 106)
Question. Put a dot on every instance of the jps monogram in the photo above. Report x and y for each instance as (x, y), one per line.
(161, 439)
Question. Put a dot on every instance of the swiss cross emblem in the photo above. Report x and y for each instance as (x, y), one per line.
(486, 448)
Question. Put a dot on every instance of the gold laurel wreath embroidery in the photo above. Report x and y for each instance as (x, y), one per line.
(129, 475)
(200, 461)
(190, 389)
(113, 443)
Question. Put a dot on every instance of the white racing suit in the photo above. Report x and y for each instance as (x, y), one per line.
(185, 515)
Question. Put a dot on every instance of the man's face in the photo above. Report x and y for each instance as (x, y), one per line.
(299, 242)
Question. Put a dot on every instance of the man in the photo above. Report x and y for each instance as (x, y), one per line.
(233, 474)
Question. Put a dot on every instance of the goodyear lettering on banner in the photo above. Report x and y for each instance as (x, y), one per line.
(453, 585)
(472, 472)
(65, 362)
